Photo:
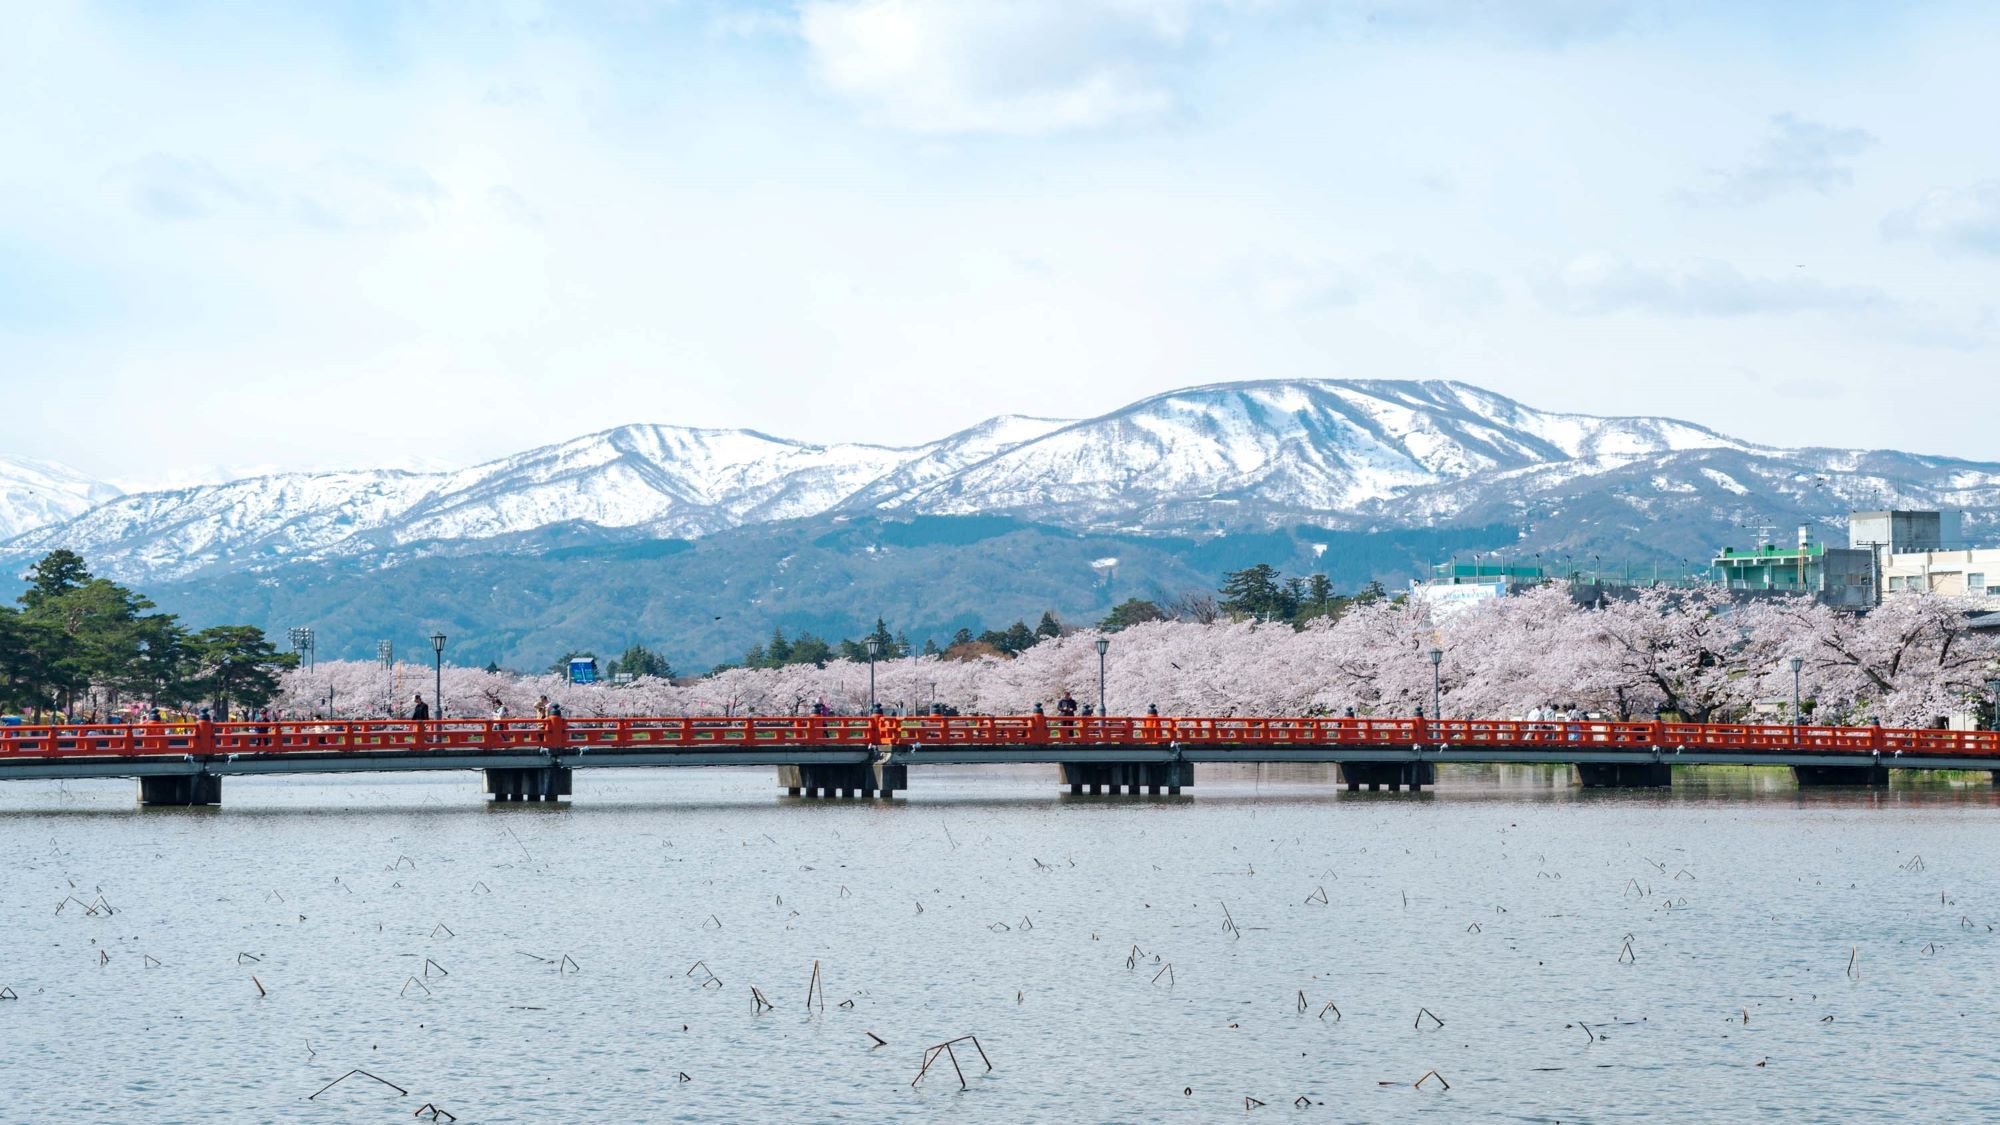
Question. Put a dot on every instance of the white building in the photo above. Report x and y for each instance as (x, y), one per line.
(1921, 551)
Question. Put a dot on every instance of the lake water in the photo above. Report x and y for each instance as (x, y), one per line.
(1734, 949)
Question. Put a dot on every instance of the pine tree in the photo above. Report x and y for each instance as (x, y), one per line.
(885, 642)
(1049, 626)
(780, 649)
(1131, 611)
(1020, 638)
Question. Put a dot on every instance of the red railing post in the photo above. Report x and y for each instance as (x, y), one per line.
(204, 736)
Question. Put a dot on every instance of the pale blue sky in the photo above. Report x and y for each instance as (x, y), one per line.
(313, 235)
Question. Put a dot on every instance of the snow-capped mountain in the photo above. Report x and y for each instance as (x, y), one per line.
(37, 493)
(1341, 453)
(1237, 452)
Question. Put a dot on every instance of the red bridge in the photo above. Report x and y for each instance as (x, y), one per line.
(531, 759)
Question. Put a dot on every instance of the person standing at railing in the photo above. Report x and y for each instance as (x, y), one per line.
(542, 707)
(420, 711)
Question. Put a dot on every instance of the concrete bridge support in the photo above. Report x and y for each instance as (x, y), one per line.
(1135, 777)
(181, 789)
(866, 779)
(1812, 777)
(1388, 775)
(1624, 775)
(533, 783)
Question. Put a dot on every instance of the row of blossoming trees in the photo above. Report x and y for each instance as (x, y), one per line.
(1692, 653)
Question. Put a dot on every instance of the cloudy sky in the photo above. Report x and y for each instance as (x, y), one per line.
(307, 235)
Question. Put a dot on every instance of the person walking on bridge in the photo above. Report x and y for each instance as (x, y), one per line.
(420, 711)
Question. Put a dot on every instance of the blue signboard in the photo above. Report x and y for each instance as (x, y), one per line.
(583, 670)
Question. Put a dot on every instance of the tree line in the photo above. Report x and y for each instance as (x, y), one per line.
(75, 643)
(1255, 593)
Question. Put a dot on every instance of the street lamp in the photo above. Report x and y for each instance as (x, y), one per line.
(1103, 646)
(437, 689)
(1798, 715)
(1437, 684)
(874, 646)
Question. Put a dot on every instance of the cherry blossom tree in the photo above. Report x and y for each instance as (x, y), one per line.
(1694, 652)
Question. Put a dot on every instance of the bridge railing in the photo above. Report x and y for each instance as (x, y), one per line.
(118, 740)
(717, 733)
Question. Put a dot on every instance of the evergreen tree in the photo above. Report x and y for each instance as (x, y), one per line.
(930, 646)
(1131, 611)
(809, 648)
(1049, 626)
(1253, 592)
(961, 637)
(57, 573)
(885, 643)
(237, 665)
(1319, 592)
(780, 649)
(1019, 638)
(642, 661)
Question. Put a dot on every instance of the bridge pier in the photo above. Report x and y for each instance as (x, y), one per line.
(1813, 777)
(1624, 775)
(531, 783)
(1388, 775)
(183, 789)
(864, 779)
(1134, 777)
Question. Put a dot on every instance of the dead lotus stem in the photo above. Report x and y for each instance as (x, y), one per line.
(400, 1092)
(815, 990)
(945, 1048)
(1421, 1013)
(1428, 1075)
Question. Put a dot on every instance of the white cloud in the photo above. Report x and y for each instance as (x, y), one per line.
(1025, 67)
(1952, 218)
(1598, 285)
(172, 188)
(1798, 155)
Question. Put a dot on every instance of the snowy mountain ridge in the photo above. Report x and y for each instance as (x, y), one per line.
(1352, 453)
(37, 493)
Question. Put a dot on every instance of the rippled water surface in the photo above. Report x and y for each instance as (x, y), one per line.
(1733, 950)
